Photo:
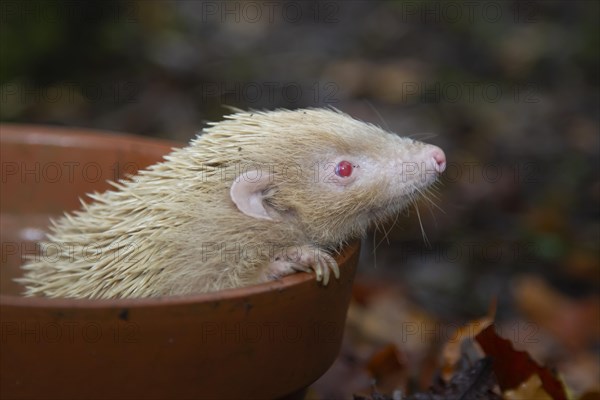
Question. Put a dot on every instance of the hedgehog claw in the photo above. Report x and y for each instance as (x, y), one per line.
(300, 268)
(306, 259)
(327, 273)
(336, 270)
(318, 270)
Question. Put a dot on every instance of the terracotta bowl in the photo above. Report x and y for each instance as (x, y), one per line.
(265, 341)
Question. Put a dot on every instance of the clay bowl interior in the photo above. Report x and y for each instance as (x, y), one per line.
(264, 341)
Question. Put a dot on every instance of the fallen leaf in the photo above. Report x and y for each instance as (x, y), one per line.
(590, 396)
(375, 395)
(513, 367)
(388, 368)
(574, 322)
(451, 353)
(528, 390)
(476, 382)
(385, 361)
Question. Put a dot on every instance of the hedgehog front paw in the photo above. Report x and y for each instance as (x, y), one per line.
(303, 258)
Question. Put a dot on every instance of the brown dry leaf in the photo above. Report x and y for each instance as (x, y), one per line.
(387, 360)
(383, 314)
(531, 389)
(388, 367)
(590, 396)
(451, 352)
(581, 371)
(476, 382)
(375, 395)
(390, 318)
(574, 323)
(513, 367)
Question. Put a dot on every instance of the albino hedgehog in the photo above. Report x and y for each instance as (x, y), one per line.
(257, 196)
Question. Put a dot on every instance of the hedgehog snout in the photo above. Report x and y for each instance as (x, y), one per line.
(422, 166)
(438, 157)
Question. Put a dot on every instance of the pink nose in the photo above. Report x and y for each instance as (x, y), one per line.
(439, 157)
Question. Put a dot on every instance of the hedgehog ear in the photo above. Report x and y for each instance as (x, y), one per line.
(247, 193)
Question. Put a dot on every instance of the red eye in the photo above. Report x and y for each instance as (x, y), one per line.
(343, 169)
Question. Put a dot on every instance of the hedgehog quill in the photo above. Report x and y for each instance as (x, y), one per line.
(255, 197)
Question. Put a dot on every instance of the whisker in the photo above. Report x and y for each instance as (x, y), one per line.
(422, 136)
(374, 251)
(424, 196)
(432, 215)
(385, 125)
(427, 243)
(382, 240)
(387, 233)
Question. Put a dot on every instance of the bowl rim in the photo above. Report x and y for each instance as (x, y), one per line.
(66, 136)
(239, 293)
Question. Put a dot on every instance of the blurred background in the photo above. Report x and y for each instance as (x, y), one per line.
(509, 89)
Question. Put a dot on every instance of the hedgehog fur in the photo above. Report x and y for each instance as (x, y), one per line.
(176, 227)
